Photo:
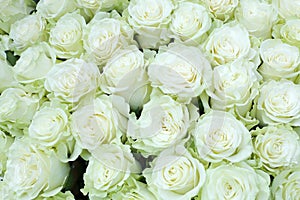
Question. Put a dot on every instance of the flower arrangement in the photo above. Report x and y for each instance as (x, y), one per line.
(150, 99)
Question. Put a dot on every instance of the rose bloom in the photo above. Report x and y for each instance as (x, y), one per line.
(135, 190)
(286, 185)
(109, 167)
(190, 22)
(163, 123)
(278, 102)
(287, 8)
(220, 136)
(98, 122)
(150, 20)
(104, 34)
(27, 31)
(180, 71)
(257, 16)
(175, 174)
(122, 63)
(221, 9)
(125, 75)
(13, 10)
(32, 171)
(238, 181)
(51, 130)
(7, 76)
(49, 126)
(16, 110)
(92, 4)
(5, 142)
(34, 63)
(54, 9)
(277, 147)
(235, 85)
(290, 32)
(66, 35)
(280, 60)
(72, 79)
(119, 5)
(228, 43)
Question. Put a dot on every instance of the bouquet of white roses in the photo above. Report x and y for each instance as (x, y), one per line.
(150, 99)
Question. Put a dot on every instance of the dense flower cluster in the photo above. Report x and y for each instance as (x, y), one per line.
(150, 99)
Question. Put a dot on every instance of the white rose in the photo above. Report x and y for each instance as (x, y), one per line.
(125, 75)
(48, 126)
(96, 123)
(235, 85)
(278, 102)
(228, 43)
(88, 8)
(72, 79)
(27, 31)
(16, 109)
(277, 147)
(220, 136)
(121, 64)
(238, 181)
(66, 35)
(4, 46)
(257, 16)
(287, 8)
(290, 32)
(31, 171)
(163, 122)
(104, 34)
(5, 142)
(150, 20)
(4, 191)
(6, 76)
(134, 190)
(222, 9)
(54, 9)
(180, 71)
(13, 10)
(176, 174)
(119, 5)
(280, 60)
(286, 185)
(34, 63)
(190, 22)
(135, 88)
(90, 4)
(108, 168)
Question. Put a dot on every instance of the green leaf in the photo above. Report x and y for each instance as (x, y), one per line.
(11, 58)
